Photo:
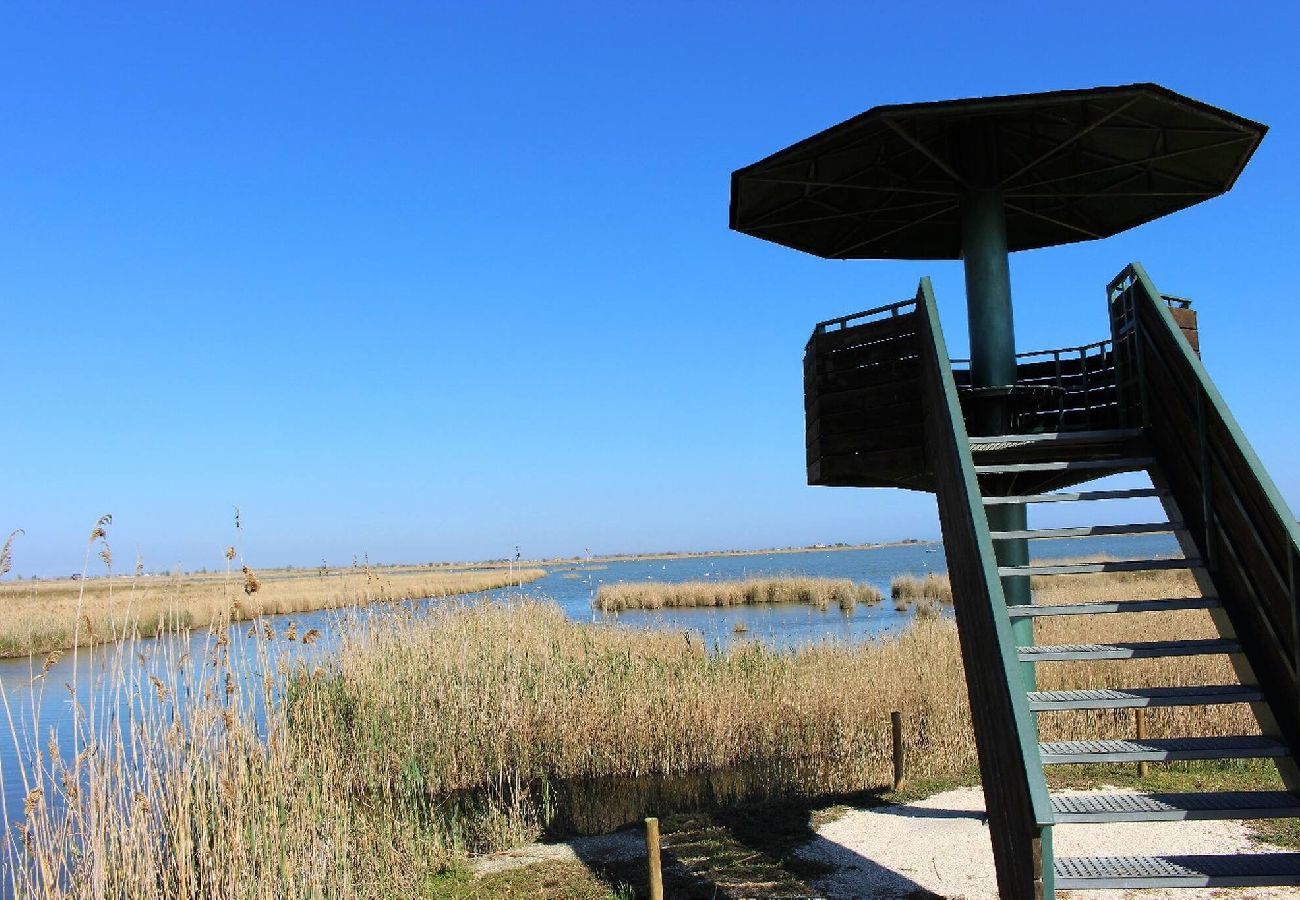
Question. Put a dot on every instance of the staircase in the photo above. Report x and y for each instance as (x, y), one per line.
(887, 406)
(1009, 469)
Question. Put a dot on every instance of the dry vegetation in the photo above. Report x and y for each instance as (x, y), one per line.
(470, 728)
(41, 616)
(910, 588)
(819, 592)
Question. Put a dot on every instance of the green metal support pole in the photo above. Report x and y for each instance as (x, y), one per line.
(993, 364)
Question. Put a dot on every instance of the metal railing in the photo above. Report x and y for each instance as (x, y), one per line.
(1242, 527)
(1061, 389)
(1020, 814)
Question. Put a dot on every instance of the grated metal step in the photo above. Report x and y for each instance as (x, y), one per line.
(1120, 872)
(1097, 607)
(1161, 750)
(1132, 698)
(1099, 809)
(1128, 650)
(1067, 497)
(1110, 435)
(1035, 534)
(1113, 565)
(1119, 463)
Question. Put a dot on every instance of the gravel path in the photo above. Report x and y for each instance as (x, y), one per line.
(940, 846)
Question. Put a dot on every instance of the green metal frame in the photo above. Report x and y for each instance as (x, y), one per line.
(1235, 515)
(1006, 734)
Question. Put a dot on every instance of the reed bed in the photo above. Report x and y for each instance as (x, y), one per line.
(40, 616)
(441, 732)
(819, 592)
(910, 588)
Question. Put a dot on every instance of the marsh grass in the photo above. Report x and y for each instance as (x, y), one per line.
(819, 592)
(433, 734)
(41, 616)
(910, 588)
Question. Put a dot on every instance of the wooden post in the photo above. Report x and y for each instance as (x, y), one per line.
(1144, 769)
(652, 859)
(896, 723)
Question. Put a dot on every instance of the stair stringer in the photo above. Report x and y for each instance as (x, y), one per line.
(1241, 667)
(1020, 816)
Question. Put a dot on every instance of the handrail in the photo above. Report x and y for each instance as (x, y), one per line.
(1019, 808)
(1234, 513)
(894, 309)
(1054, 351)
(1062, 389)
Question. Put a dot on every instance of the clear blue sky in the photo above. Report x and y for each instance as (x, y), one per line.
(431, 281)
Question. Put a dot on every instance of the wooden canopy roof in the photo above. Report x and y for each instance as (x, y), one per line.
(1070, 165)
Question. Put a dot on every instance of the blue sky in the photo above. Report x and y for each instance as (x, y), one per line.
(431, 281)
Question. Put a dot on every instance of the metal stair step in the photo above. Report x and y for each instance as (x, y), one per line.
(1133, 650)
(1161, 750)
(1124, 463)
(1033, 534)
(1099, 809)
(1110, 565)
(1105, 436)
(1069, 497)
(1134, 872)
(1097, 607)
(1111, 698)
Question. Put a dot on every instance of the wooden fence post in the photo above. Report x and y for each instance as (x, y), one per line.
(652, 859)
(900, 775)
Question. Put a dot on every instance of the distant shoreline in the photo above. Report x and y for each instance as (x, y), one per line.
(687, 554)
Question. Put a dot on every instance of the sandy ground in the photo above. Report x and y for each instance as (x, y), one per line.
(604, 848)
(940, 845)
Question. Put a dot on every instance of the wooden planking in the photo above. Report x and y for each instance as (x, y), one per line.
(862, 403)
(891, 348)
(864, 400)
(863, 377)
(868, 440)
(896, 467)
(895, 470)
(1186, 321)
(881, 416)
(844, 338)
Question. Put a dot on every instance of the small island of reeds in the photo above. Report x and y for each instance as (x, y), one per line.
(818, 592)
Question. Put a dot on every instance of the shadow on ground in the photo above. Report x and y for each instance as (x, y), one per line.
(750, 851)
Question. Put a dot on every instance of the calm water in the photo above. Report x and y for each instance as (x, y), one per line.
(792, 625)
(41, 708)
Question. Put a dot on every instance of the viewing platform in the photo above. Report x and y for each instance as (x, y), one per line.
(864, 410)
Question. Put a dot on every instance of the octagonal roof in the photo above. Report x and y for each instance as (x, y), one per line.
(1072, 166)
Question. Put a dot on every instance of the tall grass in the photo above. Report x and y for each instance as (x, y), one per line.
(910, 588)
(41, 616)
(464, 728)
(819, 592)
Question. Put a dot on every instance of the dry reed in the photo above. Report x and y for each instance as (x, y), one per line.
(910, 588)
(40, 615)
(819, 592)
(467, 728)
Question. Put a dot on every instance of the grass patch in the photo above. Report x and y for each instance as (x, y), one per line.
(542, 881)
